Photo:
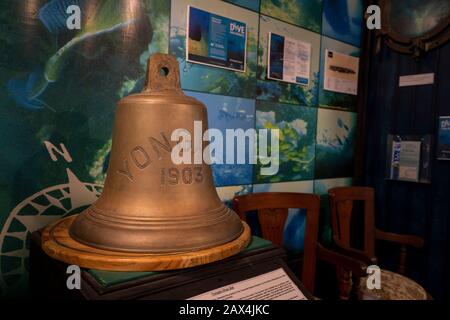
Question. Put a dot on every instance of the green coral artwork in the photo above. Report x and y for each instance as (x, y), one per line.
(297, 129)
(336, 135)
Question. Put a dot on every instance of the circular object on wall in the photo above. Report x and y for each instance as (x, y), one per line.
(415, 27)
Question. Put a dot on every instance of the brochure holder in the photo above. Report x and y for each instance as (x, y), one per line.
(409, 158)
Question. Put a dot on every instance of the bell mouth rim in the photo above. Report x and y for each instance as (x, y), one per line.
(162, 250)
(157, 237)
(206, 218)
(57, 243)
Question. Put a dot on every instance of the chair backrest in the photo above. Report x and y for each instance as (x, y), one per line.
(341, 208)
(272, 208)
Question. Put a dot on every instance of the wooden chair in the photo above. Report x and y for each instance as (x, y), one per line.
(272, 209)
(341, 209)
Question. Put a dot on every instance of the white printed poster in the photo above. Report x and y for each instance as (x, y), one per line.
(289, 59)
(341, 72)
(215, 40)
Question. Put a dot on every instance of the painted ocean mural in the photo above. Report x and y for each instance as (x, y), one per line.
(203, 78)
(342, 20)
(249, 4)
(229, 113)
(335, 143)
(330, 99)
(279, 91)
(296, 125)
(60, 87)
(303, 13)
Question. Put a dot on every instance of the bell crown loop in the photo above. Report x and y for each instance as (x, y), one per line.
(163, 75)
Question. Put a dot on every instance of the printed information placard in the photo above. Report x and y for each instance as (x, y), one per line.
(409, 157)
(341, 72)
(215, 40)
(405, 160)
(273, 285)
(443, 147)
(409, 162)
(289, 60)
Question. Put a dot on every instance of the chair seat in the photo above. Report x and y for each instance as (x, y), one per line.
(394, 286)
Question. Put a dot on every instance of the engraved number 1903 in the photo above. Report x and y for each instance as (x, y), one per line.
(187, 175)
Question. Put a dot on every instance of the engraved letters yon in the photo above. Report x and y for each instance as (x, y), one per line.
(141, 159)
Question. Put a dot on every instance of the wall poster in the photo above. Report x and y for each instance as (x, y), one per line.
(443, 147)
(215, 40)
(341, 72)
(289, 59)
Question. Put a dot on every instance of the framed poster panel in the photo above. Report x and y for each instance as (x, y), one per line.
(215, 40)
(341, 72)
(443, 147)
(289, 60)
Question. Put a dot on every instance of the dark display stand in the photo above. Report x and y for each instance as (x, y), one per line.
(48, 276)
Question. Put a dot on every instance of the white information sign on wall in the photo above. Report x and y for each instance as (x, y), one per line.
(341, 72)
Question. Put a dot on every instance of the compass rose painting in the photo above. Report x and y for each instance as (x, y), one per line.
(33, 213)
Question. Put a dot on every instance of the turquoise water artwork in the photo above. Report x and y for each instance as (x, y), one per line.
(249, 4)
(336, 132)
(229, 113)
(343, 20)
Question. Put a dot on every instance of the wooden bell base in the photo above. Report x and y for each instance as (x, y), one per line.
(58, 244)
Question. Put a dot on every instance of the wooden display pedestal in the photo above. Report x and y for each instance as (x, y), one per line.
(48, 276)
(58, 244)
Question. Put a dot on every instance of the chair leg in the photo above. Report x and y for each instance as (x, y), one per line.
(344, 283)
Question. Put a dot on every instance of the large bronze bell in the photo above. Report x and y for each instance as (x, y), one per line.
(148, 203)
